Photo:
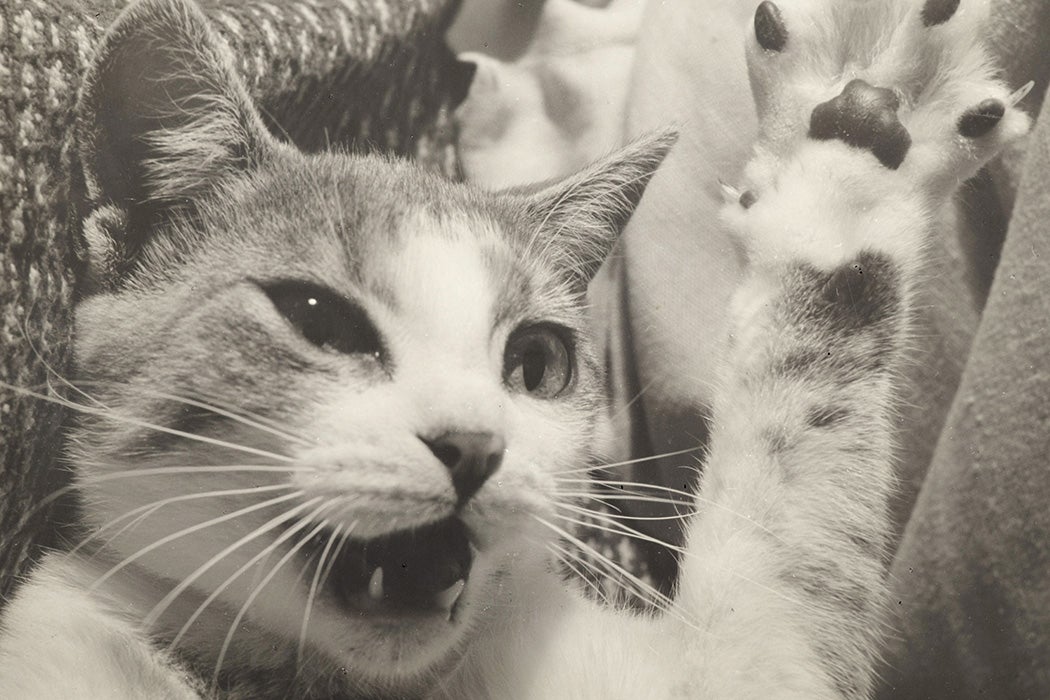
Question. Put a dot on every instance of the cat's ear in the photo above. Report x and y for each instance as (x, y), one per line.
(580, 218)
(163, 122)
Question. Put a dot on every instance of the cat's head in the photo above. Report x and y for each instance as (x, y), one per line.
(307, 369)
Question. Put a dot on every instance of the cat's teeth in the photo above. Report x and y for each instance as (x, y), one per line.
(375, 584)
(448, 597)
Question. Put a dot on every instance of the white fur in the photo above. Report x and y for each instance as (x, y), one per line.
(743, 625)
(59, 643)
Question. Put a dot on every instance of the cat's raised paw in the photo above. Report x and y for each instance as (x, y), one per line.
(871, 112)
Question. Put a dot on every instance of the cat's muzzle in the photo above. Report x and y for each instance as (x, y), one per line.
(422, 570)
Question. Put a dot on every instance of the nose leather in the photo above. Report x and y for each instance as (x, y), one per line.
(470, 457)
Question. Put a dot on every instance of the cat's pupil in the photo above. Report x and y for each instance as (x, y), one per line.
(538, 361)
(533, 365)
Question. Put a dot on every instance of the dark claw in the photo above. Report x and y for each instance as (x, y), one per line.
(770, 31)
(864, 117)
(978, 121)
(936, 12)
(747, 199)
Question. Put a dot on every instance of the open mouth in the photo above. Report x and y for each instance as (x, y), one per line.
(421, 571)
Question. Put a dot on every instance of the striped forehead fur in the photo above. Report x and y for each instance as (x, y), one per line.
(325, 217)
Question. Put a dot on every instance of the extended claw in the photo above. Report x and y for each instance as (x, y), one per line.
(729, 193)
(1020, 93)
(978, 121)
(770, 31)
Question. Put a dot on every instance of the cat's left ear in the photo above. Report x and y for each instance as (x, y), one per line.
(580, 218)
(163, 124)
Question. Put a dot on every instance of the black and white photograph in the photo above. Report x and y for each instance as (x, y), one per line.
(524, 350)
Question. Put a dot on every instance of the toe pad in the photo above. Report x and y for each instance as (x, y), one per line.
(770, 30)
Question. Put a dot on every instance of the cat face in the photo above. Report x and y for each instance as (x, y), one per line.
(355, 353)
(335, 393)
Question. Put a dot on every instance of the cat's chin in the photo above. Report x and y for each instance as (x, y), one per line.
(403, 647)
(408, 601)
(419, 627)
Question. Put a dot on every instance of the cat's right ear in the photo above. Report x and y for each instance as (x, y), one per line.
(163, 122)
(578, 220)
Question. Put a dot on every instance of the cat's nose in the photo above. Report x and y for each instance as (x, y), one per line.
(471, 458)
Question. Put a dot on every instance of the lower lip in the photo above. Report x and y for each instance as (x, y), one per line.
(380, 611)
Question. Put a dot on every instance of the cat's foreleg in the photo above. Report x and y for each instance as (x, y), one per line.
(870, 115)
(59, 641)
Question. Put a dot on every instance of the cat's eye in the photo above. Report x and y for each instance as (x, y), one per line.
(538, 361)
(324, 318)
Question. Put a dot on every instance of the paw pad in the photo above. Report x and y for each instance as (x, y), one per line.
(864, 117)
(936, 12)
(770, 30)
(979, 120)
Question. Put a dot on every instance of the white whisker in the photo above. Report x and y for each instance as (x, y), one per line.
(566, 558)
(621, 493)
(255, 594)
(52, 372)
(620, 410)
(620, 516)
(153, 471)
(212, 407)
(331, 564)
(627, 462)
(150, 508)
(255, 559)
(622, 529)
(338, 550)
(186, 582)
(611, 576)
(190, 530)
(607, 499)
(313, 593)
(618, 529)
(618, 486)
(106, 413)
(657, 599)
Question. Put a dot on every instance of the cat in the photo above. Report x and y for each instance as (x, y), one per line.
(337, 415)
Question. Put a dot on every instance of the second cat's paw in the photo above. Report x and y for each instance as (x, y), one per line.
(871, 112)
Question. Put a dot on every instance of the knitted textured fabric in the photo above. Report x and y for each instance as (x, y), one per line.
(371, 73)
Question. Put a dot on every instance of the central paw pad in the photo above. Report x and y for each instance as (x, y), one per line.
(864, 117)
(837, 82)
(909, 82)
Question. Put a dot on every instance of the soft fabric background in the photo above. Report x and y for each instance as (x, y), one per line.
(972, 574)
